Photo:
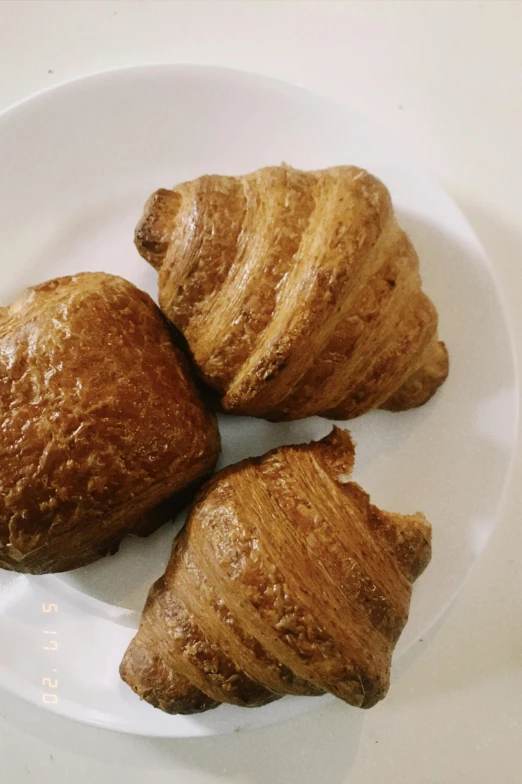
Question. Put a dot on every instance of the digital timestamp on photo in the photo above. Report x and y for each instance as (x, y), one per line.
(50, 644)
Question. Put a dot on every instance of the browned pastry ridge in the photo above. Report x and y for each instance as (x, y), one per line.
(297, 292)
(285, 580)
(101, 424)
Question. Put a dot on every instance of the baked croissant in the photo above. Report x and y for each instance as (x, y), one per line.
(297, 292)
(102, 426)
(285, 580)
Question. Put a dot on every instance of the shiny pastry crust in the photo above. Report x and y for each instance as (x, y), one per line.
(297, 292)
(102, 426)
(285, 580)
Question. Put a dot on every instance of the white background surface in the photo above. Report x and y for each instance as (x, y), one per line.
(446, 79)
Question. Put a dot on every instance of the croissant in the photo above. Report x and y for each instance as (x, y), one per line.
(103, 432)
(297, 292)
(285, 580)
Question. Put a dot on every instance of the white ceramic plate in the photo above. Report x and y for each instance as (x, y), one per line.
(77, 164)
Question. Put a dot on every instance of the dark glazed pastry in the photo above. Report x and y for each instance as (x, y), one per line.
(101, 424)
(297, 292)
(285, 580)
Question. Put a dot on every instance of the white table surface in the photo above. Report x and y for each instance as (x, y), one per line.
(446, 79)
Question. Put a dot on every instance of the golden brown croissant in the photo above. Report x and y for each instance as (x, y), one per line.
(285, 580)
(101, 422)
(297, 292)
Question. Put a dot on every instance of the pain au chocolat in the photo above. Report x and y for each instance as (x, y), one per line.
(101, 429)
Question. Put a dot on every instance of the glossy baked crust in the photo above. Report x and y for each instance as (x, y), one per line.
(101, 425)
(297, 292)
(285, 580)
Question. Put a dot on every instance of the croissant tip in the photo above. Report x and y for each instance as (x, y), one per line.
(153, 232)
(340, 452)
(339, 435)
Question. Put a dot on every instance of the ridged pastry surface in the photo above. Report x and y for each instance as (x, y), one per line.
(285, 580)
(297, 292)
(101, 423)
